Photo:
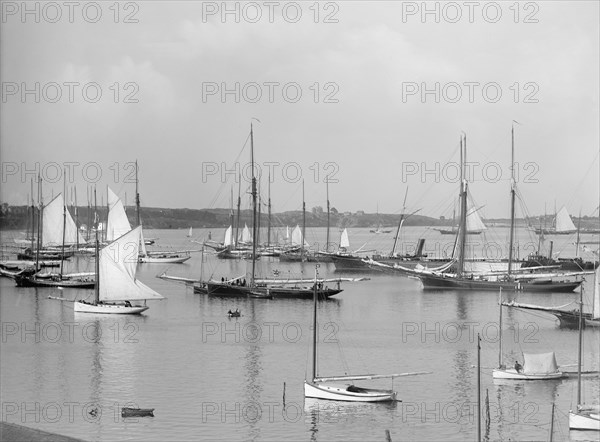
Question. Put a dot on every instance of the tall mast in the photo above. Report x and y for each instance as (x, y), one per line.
(328, 212)
(40, 221)
(32, 217)
(578, 235)
(231, 209)
(64, 223)
(253, 189)
(269, 213)
(399, 224)
(463, 208)
(580, 346)
(512, 200)
(257, 239)
(97, 285)
(107, 211)
(314, 352)
(89, 212)
(76, 219)
(500, 329)
(137, 197)
(239, 204)
(303, 224)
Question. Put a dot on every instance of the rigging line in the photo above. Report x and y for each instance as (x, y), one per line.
(576, 192)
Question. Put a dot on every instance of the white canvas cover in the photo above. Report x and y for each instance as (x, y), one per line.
(52, 224)
(564, 222)
(117, 224)
(541, 363)
(228, 241)
(118, 265)
(344, 241)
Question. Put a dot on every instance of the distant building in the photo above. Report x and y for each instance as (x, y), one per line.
(442, 218)
(360, 213)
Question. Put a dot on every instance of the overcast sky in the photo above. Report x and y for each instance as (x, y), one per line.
(164, 68)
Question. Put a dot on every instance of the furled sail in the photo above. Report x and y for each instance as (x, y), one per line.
(118, 265)
(564, 222)
(117, 224)
(52, 224)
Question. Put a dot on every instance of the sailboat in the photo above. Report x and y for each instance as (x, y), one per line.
(570, 317)
(563, 224)
(189, 234)
(58, 229)
(475, 225)
(116, 288)
(454, 276)
(535, 366)
(379, 228)
(319, 387)
(158, 256)
(584, 417)
(264, 288)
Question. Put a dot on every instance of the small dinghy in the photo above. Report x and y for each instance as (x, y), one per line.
(137, 412)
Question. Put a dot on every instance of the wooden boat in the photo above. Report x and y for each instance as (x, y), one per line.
(57, 225)
(584, 417)
(570, 317)
(116, 288)
(563, 225)
(462, 280)
(536, 367)
(321, 387)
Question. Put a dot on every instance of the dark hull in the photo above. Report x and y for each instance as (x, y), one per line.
(298, 257)
(48, 282)
(233, 291)
(453, 283)
(350, 264)
(454, 232)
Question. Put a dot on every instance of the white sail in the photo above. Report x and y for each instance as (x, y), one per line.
(228, 241)
(117, 224)
(287, 233)
(118, 265)
(190, 233)
(52, 224)
(474, 222)
(297, 239)
(246, 235)
(564, 222)
(344, 241)
(142, 250)
(596, 300)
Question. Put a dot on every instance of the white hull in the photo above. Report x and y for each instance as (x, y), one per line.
(165, 260)
(512, 374)
(112, 309)
(584, 421)
(341, 393)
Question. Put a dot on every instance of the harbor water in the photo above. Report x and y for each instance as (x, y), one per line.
(210, 377)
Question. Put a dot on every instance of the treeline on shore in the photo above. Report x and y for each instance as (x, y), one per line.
(19, 217)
